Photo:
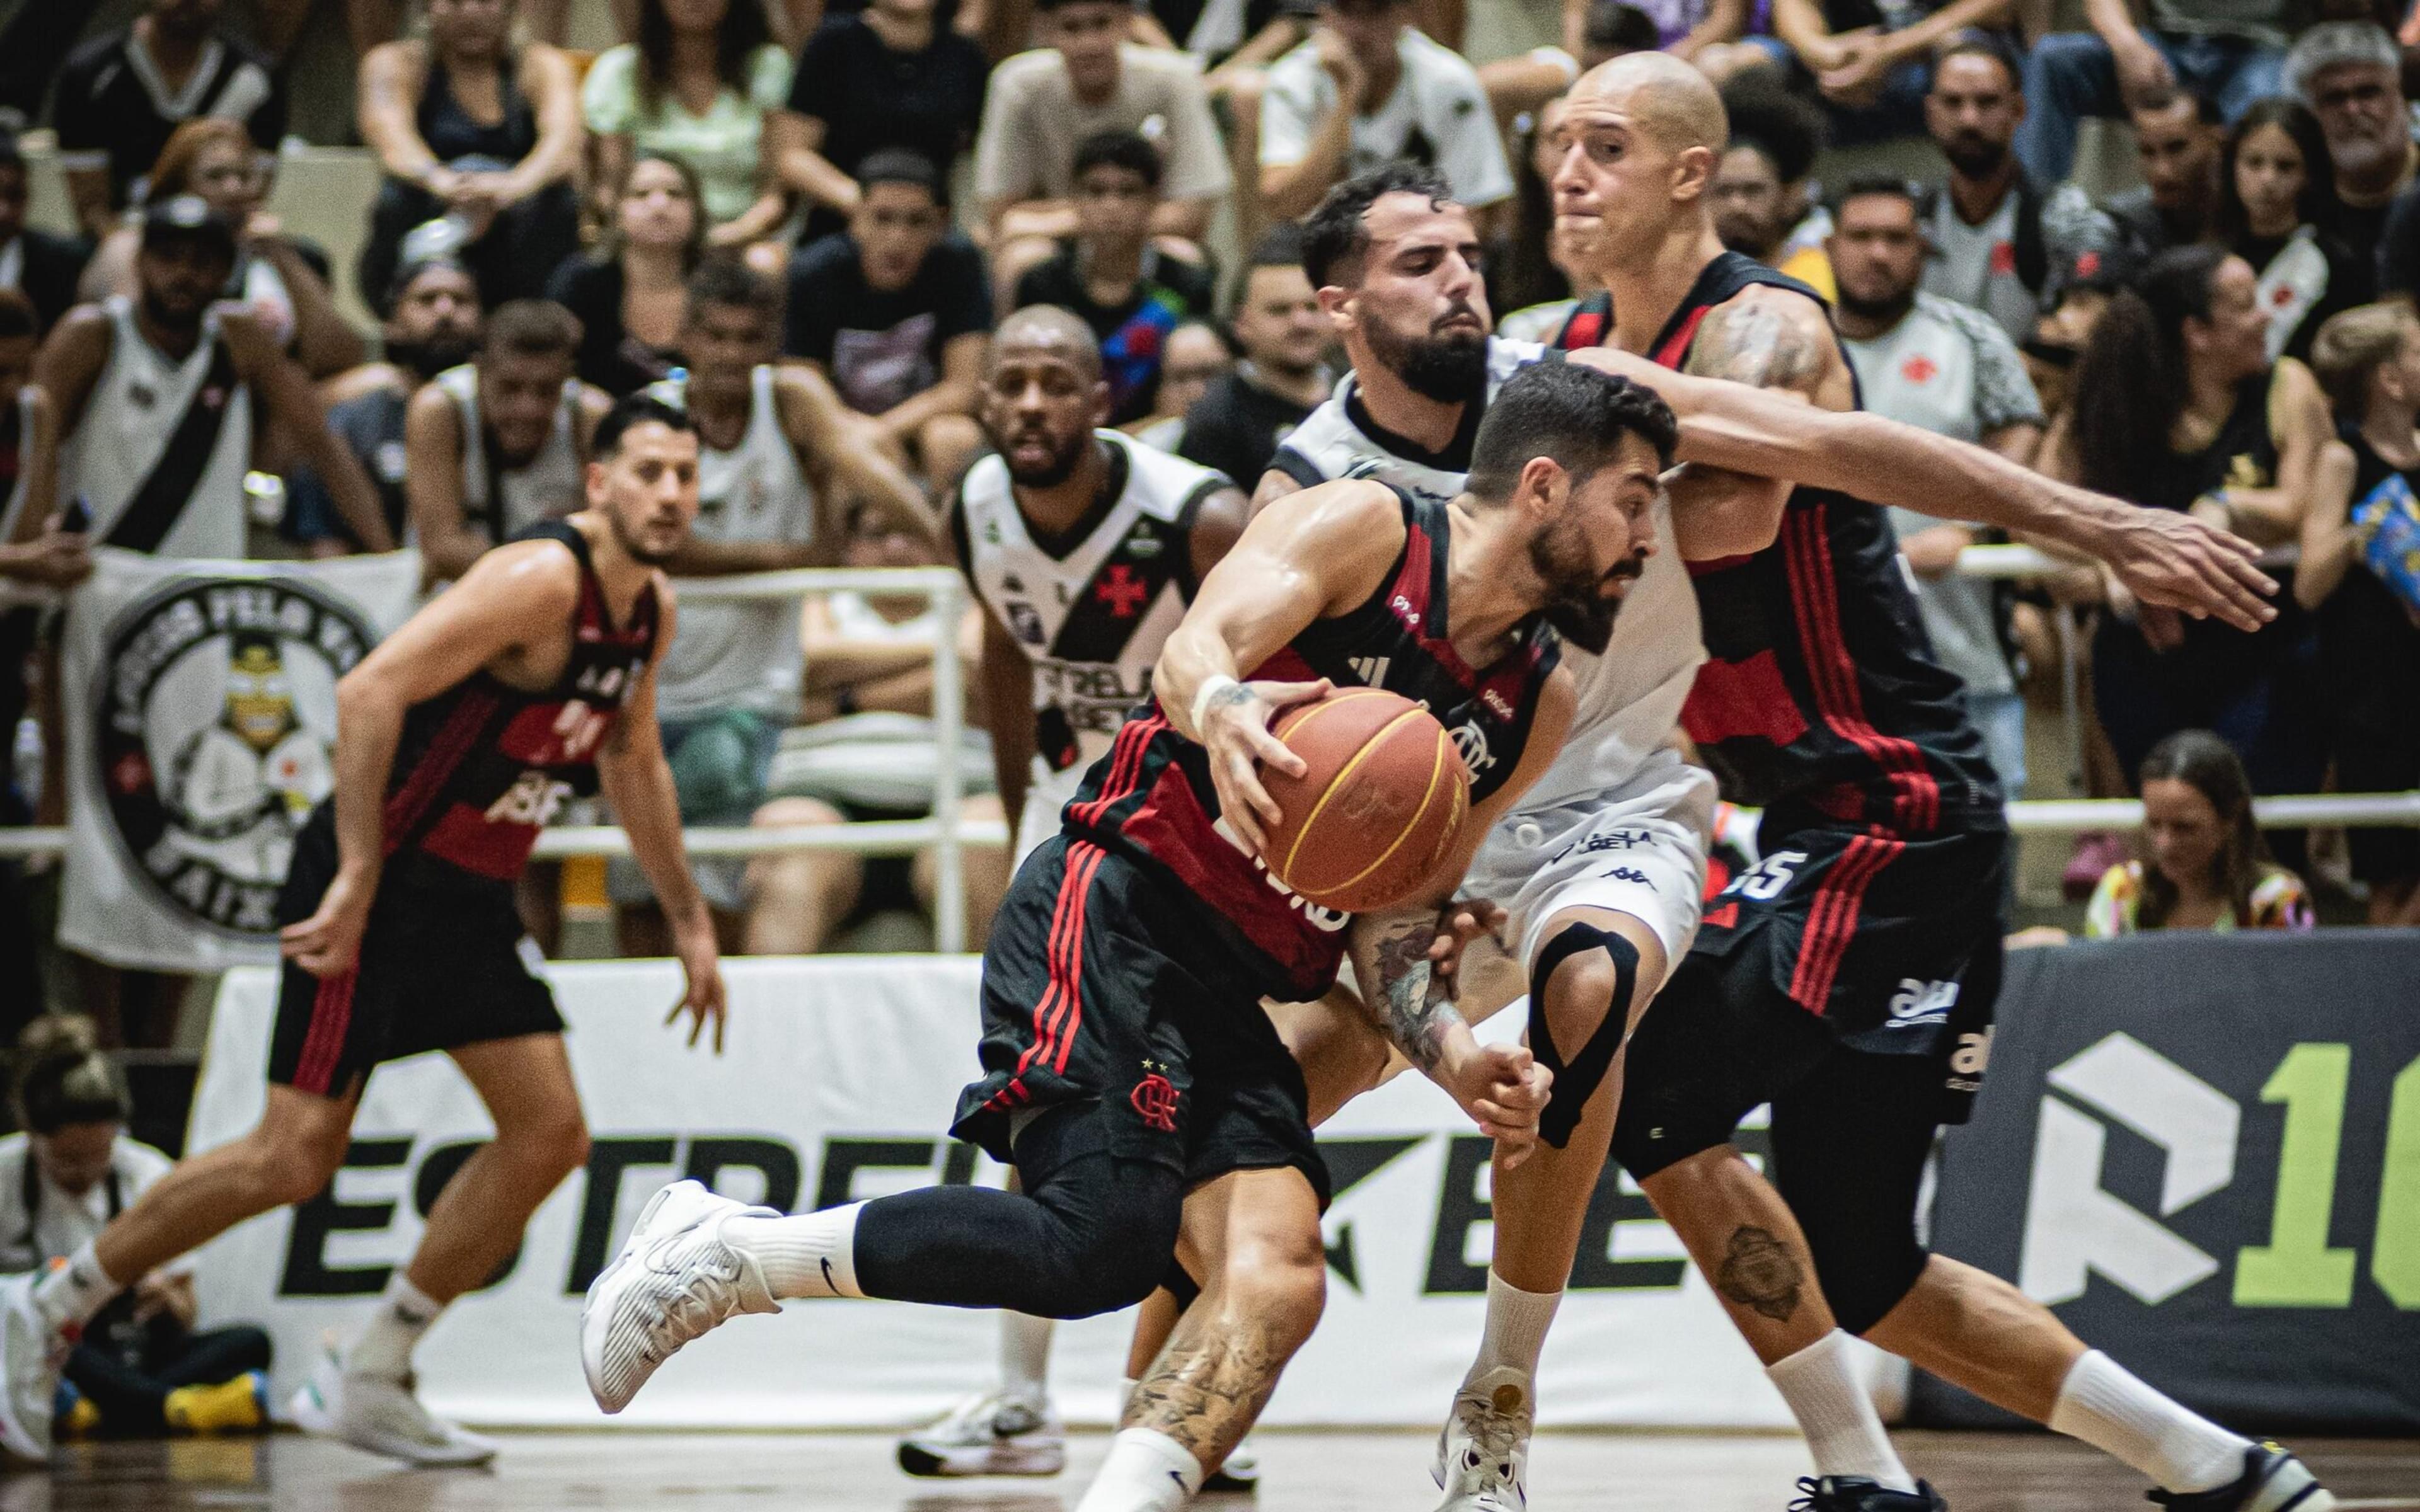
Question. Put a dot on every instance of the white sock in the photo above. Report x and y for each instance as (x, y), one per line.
(1145, 1470)
(2104, 1405)
(1025, 1356)
(383, 1347)
(1517, 1322)
(74, 1293)
(1843, 1432)
(808, 1254)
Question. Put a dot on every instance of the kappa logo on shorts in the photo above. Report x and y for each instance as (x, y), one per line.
(1154, 1098)
(1630, 875)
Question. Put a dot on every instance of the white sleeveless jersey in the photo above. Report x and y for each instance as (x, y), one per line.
(149, 417)
(1629, 698)
(1092, 610)
(550, 486)
(742, 655)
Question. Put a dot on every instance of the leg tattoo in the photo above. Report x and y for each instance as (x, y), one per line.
(1209, 1384)
(1759, 1273)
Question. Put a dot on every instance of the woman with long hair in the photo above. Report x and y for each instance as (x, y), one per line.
(2178, 405)
(1530, 277)
(629, 293)
(479, 130)
(282, 279)
(2202, 864)
(698, 83)
(2276, 195)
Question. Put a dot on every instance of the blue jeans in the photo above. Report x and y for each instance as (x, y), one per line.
(2070, 75)
(2001, 719)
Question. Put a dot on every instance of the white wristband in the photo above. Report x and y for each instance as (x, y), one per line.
(1202, 696)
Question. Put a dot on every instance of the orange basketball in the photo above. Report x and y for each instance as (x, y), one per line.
(1380, 805)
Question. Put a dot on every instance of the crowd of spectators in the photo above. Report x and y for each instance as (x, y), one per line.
(849, 195)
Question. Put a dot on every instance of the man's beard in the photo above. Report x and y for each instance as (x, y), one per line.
(168, 319)
(1975, 156)
(1061, 466)
(2360, 154)
(425, 360)
(1448, 368)
(631, 546)
(1576, 604)
(1884, 312)
(1748, 239)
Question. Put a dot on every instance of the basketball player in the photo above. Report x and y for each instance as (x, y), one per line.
(1884, 845)
(499, 444)
(1131, 1075)
(1083, 547)
(532, 678)
(159, 397)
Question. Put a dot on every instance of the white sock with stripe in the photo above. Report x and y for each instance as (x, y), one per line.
(1145, 1470)
(806, 1254)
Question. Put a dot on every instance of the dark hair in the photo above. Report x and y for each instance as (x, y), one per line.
(728, 282)
(12, 152)
(1572, 412)
(630, 411)
(62, 1078)
(531, 328)
(1334, 236)
(1786, 129)
(901, 165)
(2317, 205)
(2130, 382)
(1868, 185)
(17, 317)
(741, 32)
(1976, 42)
(1061, 4)
(2210, 766)
(1280, 246)
(695, 247)
(1612, 27)
(1119, 150)
(2205, 106)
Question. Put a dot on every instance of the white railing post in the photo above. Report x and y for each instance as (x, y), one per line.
(949, 720)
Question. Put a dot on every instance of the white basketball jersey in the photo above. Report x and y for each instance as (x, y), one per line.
(1629, 698)
(549, 486)
(742, 655)
(150, 417)
(1092, 610)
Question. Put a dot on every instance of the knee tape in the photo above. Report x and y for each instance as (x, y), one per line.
(1577, 1079)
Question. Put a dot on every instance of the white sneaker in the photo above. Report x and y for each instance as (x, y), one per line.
(381, 1416)
(1484, 1451)
(673, 1280)
(31, 1353)
(993, 1434)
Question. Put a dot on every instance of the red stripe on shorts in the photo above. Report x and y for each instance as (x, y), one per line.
(331, 1014)
(1062, 1009)
(1832, 923)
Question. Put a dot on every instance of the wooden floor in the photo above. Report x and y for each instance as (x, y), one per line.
(1306, 1472)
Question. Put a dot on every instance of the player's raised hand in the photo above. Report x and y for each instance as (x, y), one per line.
(1235, 724)
(1504, 1090)
(329, 941)
(702, 997)
(2168, 557)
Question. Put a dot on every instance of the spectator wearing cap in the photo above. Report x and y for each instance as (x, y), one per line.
(2228, 52)
(1085, 79)
(1870, 61)
(897, 312)
(2177, 141)
(2351, 76)
(1131, 293)
(121, 94)
(1948, 368)
(1368, 89)
(37, 264)
(1995, 232)
(1758, 193)
(892, 75)
(2277, 205)
(2075, 294)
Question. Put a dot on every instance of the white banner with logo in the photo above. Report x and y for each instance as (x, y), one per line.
(201, 703)
(840, 1075)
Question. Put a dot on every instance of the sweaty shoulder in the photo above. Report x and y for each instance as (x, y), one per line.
(1349, 533)
(1771, 337)
(542, 577)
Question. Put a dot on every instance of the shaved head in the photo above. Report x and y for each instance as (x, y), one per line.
(1663, 97)
(1048, 330)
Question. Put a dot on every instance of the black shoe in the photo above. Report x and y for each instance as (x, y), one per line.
(2272, 1481)
(1855, 1493)
(1239, 1475)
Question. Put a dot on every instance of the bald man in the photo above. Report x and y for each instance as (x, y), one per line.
(1848, 980)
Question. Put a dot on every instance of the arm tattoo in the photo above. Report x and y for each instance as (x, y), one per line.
(1411, 1004)
(1227, 698)
(1757, 344)
(1761, 1274)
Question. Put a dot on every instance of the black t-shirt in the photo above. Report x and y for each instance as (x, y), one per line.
(2397, 237)
(370, 426)
(1236, 427)
(113, 110)
(869, 97)
(609, 357)
(883, 347)
(1133, 332)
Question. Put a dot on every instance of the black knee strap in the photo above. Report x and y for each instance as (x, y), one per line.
(1577, 1080)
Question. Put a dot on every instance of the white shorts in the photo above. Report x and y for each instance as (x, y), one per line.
(1639, 850)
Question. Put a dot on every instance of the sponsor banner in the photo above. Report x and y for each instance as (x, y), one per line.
(840, 1073)
(2204, 1153)
(201, 703)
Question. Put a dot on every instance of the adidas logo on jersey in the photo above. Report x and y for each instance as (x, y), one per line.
(1371, 670)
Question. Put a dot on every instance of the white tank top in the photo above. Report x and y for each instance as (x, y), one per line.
(1092, 611)
(550, 486)
(1629, 698)
(138, 407)
(742, 655)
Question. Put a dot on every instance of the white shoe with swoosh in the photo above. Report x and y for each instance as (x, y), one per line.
(673, 1280)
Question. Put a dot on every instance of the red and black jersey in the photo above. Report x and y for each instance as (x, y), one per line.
(483, 767)
(1820, 697)
(1151, 797)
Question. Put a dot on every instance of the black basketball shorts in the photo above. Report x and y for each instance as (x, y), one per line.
(1105, 992)
(1857, 960)
(440, 967)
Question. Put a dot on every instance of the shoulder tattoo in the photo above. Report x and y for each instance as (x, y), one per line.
(1757, 343)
